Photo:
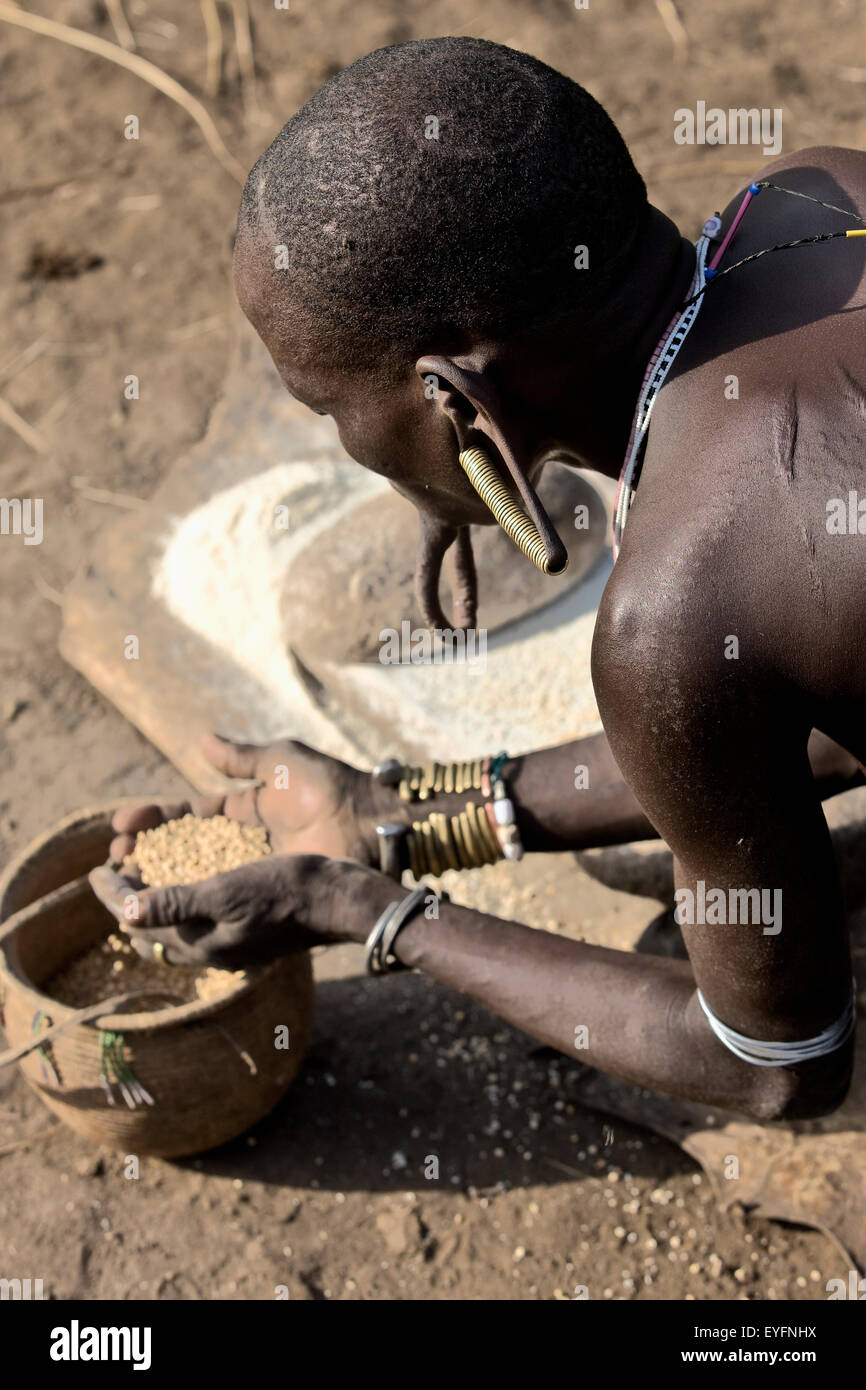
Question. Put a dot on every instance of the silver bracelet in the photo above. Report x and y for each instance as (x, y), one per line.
(379, 943)
(389, 838)
(761, 1053)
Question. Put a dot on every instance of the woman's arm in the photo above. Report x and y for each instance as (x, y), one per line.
(633, 1016)
(734, 822)
(574, 797)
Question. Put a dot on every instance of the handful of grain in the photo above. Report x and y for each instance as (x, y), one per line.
(195, 847)
(178, 851)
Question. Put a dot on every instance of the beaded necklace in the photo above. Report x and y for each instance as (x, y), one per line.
(656, 372)
(678, 329)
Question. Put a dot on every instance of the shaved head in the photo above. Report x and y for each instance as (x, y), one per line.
(450, 247)
(435, 191)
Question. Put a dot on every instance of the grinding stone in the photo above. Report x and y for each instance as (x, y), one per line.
(356, 577)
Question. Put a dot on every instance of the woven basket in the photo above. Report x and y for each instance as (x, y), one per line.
(212, 1068)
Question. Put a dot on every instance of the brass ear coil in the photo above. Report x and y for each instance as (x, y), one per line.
(507, 510)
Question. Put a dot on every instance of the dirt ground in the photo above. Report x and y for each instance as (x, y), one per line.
(116, 260)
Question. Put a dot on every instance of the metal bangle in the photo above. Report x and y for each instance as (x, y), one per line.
(460, 845)
(389, 837)
(388, 960)
(431, 849)
(488, 834)
(414, 862)
(373, 940)
(381, 939)
(471, 837)
(388, 773)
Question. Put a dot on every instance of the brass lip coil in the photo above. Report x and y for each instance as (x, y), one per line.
(519, 527)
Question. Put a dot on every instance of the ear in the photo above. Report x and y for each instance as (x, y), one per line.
(464, 396)
(472, 403)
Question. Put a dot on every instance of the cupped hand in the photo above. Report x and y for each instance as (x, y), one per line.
(274, 907)
(308, 803)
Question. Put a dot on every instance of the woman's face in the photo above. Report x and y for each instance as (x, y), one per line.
(396, 430)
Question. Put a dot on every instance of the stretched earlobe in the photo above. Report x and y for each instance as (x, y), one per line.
(436, 539)
(528, 525)
(464, 581)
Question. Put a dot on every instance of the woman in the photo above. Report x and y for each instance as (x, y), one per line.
(449, 250)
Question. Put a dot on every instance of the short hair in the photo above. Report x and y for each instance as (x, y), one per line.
(437, 191)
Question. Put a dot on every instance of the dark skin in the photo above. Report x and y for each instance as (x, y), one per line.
(727, 759)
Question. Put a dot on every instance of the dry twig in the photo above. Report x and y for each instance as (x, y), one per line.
(214, 53)
(674, 25)
(10, 417)
(101, 494)
(246, 60)
(44, 588)
(23, 359)
(125, 36)
(90, 43)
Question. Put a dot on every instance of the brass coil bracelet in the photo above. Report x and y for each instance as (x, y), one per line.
(481, 833)
(464, 841)
(437, 779)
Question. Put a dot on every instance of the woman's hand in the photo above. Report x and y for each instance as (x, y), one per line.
(308, 803)
(274, 907)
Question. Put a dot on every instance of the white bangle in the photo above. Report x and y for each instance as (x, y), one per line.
(782, 1054)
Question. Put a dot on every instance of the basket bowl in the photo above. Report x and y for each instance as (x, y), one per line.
(195, 1059)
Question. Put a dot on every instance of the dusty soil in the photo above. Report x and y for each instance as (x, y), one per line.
(116, 257)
